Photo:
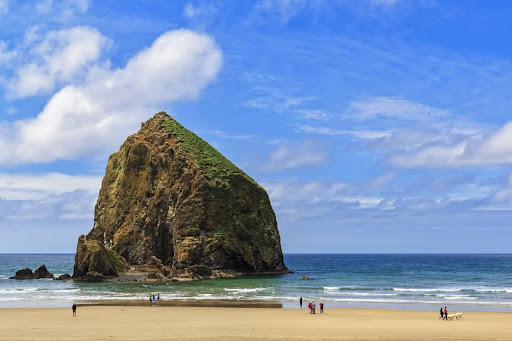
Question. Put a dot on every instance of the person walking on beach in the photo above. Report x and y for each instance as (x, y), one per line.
(300, 302)
(313, 308)
(445, 314)
(309, 307)
(158, 296)
(321, 307)
(74, 309)
(442, 313)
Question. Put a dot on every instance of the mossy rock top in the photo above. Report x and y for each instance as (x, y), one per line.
(215, 166)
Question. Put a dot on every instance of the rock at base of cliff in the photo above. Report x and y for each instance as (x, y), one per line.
(42, 272)
(65, 277)
(23, 274)
(92, 276)
(93, 258)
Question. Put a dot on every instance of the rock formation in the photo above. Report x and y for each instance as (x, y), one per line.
(171, 206)
(42, 272)
(23, 274)
(64, 277)
(26, 273)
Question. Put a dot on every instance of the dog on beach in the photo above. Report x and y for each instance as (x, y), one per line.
(454, 316)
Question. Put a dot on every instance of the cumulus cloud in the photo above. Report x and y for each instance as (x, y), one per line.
(37, 187)
(98, 114)
(287, 156)
(61, 57)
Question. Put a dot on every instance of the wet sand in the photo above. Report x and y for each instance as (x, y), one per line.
(229, 323)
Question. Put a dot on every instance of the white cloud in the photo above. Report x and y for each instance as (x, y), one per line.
(62, 10)
(361, 134)
(289, 156)
(75, 205)
(98, 115)
(224, 135)
(284, 10)
(496, 148)
(313, 114)
(394, 108)
(278, 102)
(37, 187)
(61, 57)
(191, 11)
(5, 55)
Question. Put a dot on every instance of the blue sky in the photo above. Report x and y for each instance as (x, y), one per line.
(374, 125)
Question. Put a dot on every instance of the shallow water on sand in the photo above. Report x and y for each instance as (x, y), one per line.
(464, 282)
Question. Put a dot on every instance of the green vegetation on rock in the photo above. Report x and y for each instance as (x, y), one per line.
(212, 163)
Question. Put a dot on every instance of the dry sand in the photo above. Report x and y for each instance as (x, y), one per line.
(209, 323)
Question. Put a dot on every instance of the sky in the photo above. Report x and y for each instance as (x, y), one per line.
(376, 126)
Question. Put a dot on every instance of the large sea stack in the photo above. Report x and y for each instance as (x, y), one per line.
(171, 206)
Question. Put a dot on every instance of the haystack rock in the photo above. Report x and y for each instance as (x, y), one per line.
(173, 207)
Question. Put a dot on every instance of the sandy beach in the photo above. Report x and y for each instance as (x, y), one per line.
(210, 323)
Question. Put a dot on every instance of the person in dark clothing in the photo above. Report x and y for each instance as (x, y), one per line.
(300, 302)
(74, 309)
(442, 313)
(321, 307)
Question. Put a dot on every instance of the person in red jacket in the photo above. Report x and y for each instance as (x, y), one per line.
(321, 307)
(445, 314)
(309, 308)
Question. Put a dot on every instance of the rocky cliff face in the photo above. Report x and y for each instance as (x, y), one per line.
(171, 205)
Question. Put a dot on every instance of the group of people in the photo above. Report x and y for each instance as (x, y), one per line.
(444, 313)
(312, 306)
(153, 299)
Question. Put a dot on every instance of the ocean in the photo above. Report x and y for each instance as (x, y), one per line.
(396, 281)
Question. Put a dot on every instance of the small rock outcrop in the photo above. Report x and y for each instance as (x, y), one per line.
(41, 272)
(64, 277)
(23, 274)
(96, 261)
(173, 207)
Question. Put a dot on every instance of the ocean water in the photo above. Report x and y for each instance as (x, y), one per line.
(427, 282)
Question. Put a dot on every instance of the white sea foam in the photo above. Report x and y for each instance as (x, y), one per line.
(374, 294)
(245, 290)
(402, 301)
(459, 297)
(496, 290)
(17, 291)
(429, 289)
(332, 288)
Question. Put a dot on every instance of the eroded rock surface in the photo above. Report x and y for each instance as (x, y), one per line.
(42, 272)
(23, 274)
(171, 206)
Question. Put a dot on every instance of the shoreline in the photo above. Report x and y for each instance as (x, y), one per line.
(255, 303)
(120, 323)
